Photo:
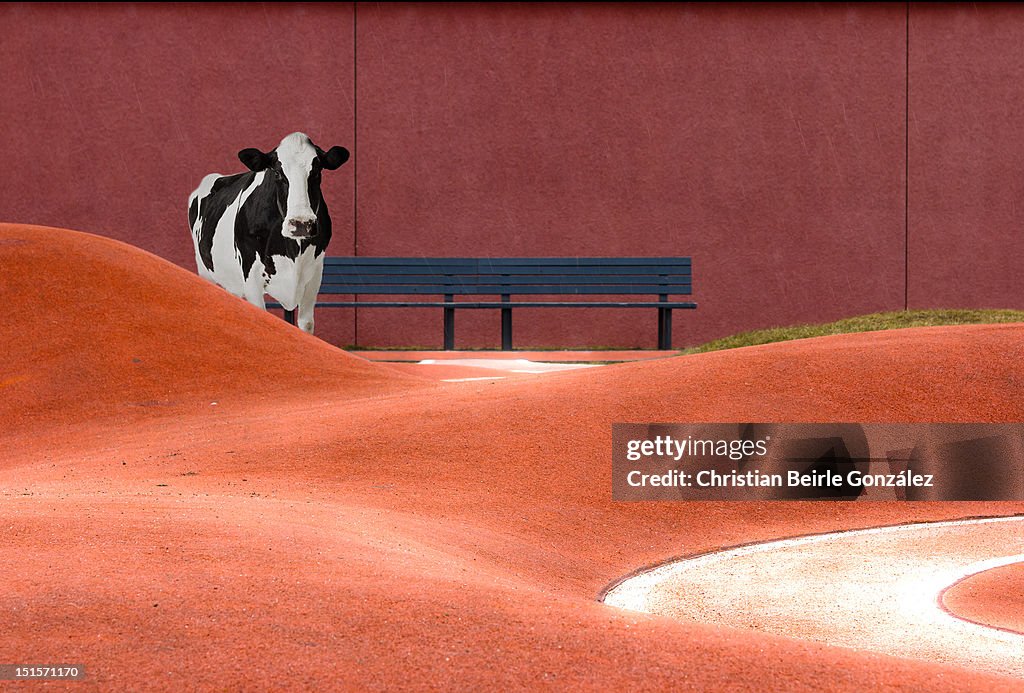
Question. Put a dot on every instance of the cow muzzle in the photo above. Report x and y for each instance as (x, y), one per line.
(300, 228)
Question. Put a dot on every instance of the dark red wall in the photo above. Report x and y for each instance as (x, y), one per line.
(765, 141)
(768, 142)
(966, 156)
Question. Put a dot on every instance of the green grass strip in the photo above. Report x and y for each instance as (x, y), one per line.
(862, 323)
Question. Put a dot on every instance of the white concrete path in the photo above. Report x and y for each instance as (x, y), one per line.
(513, 365)
(874, 589)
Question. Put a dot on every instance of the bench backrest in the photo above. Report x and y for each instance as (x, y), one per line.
(506, 276)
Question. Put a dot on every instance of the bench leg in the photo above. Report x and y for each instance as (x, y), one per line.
(289, 316)
(449, 327)
(665, 329)
(506, 326)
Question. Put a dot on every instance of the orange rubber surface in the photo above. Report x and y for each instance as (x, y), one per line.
(197, 495)
(992, 598)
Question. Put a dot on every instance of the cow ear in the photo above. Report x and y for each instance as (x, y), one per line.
(333, 157)
(254, 159)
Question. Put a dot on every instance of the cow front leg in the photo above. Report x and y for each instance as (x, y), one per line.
(255, 288)
(256, 298)
(306, 304)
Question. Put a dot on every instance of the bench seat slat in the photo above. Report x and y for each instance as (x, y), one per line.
(497, 290)
(397, 270)
(363, 260)
(479, 280)
(499, 304)
(567, 270)
(497, 262)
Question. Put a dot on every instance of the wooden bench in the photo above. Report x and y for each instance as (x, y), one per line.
(505, 278)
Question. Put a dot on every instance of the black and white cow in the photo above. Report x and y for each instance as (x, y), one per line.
(265, 231)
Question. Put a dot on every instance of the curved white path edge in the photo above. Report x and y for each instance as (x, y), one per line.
(876, 589)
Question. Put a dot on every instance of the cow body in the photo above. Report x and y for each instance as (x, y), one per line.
(266, 231)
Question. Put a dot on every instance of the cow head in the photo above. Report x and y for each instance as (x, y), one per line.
(293, 169)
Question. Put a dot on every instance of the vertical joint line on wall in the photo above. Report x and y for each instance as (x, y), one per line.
(355, 160)
(906, 171)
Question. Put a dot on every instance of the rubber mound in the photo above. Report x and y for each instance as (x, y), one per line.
(992, 598)
(334, 524)
(97, 328)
